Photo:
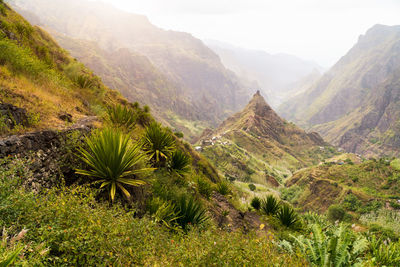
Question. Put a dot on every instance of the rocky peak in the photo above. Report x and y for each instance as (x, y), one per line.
(258, 105)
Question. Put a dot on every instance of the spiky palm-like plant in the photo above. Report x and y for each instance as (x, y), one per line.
(158, 144)
(223, 188)
(270, 205)
(122, 117)
(112, 159)
(179, 163)
(335, 246)
(287, 216)
(190, 211)
(256, 203)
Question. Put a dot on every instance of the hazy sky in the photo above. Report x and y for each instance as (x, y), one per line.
(319, 30)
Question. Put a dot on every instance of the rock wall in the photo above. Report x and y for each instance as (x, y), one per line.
(48, 156)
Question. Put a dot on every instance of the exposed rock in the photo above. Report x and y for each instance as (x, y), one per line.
(13, 115)
(47, 153)
(65, 117)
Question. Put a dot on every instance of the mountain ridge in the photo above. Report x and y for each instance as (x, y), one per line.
(354, 104)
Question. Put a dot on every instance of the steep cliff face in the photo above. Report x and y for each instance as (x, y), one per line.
(355, 104)
(187, 70)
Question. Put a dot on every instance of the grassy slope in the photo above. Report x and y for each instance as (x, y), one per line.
(262, 146)
(330, 184)
(36, 74)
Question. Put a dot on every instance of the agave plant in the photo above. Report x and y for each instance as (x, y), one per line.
(122, 117)
(287, 216)
(223, 188)
(158, 144)
(190, 212)
(179, 163)
(270, 205)
(84, 81)
(336, 246)
(112, 159)
(256, 203)
(164, 212)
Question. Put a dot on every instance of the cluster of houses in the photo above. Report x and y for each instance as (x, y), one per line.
(211, 142)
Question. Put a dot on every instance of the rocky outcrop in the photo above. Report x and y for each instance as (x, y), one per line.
(49, 154)
(12, 116)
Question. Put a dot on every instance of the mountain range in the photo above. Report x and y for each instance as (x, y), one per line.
(355, 105)
(190, 80)
(274, 74)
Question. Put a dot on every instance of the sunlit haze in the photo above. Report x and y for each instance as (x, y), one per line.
(319, 30)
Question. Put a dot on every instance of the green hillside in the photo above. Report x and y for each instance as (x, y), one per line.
(256, 145)
(166, 70)
(88, 178)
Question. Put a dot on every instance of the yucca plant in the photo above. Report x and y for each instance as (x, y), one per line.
(84, 81)
(270, 205)
(122, 117)
(190, 211)
(164, 212)
(256, 203)
(158, 144)
(113, 161)
(287, 216)
(223, 188)
(179, 163)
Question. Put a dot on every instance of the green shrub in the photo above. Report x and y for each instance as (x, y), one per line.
(256, 203)
(158, 144)
(179, 134)
(77, 230)
(351, 202)
(336, 213)
(21, 60)
(190, 212)
(270, 205)
(179, 163)
(292, 193)
(333, 246)
(163, 212)
(204, 187)
(223, 188)
(112, 161)
(144, 117)
(252, 187)
(385, 253)
(287, 216)
(122, 117)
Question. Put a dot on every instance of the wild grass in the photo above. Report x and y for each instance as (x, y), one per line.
(76, 229)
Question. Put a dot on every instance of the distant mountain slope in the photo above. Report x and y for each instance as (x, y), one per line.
(356, 104)
(261, 136)
(183, 60)
(275, 74)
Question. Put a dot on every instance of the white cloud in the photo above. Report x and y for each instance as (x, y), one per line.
(320, 30)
